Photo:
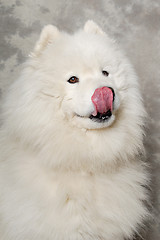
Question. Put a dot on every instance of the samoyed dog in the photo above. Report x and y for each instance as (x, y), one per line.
(71, 143)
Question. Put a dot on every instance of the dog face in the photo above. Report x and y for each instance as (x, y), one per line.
(87, 75)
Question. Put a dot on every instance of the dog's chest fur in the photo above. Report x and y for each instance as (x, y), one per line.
(79, 205)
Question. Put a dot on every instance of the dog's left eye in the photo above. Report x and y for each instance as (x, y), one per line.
(73, 79)
(105, 73)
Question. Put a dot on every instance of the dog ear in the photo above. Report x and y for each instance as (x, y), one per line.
(48, 35)
(91, 27)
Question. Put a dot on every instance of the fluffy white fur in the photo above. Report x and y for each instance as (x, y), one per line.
(64, 176)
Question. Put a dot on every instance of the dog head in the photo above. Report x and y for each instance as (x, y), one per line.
(73, 84)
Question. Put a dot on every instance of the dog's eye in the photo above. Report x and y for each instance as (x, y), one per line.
(105, 73)
(73, 79)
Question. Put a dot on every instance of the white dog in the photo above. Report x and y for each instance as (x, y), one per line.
(71, 140)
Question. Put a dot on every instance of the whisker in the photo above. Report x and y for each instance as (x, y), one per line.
(68, 99)
(49, 95)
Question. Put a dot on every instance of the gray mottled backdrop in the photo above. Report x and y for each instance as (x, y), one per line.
(134, 23)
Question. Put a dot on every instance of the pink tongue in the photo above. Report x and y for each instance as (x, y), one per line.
(102, 100)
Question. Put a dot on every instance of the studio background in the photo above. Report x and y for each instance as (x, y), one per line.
(134, 24)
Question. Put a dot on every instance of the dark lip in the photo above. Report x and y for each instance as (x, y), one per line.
(101, 117)
(112, 92)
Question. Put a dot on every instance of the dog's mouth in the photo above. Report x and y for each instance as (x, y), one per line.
(102, 99)
(101, 117)
(103, 102)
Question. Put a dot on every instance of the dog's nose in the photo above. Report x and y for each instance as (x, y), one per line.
(102, 99)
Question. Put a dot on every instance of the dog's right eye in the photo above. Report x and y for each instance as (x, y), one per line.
(73, 79)
(105, 73)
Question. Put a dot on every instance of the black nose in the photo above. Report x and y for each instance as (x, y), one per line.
(112, 92)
